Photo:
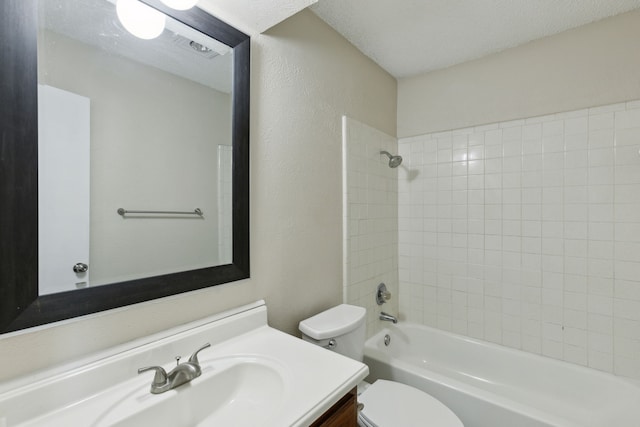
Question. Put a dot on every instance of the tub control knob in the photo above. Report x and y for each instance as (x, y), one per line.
(383, 295)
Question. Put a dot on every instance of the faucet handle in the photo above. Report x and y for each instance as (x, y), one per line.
(160, 377)
(382, 295)
(194, 356)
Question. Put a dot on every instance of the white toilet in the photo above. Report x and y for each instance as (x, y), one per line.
(386, 403)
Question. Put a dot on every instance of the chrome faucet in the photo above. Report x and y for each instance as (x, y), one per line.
(182, 373)
(387, 317)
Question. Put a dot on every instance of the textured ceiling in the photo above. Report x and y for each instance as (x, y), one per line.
(253, 16)
(408, 37)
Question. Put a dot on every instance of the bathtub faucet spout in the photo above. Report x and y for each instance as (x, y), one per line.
(388, 317)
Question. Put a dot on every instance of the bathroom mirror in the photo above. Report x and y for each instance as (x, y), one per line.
(163, 126)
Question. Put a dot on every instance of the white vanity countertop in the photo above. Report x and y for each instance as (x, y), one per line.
(281, 380)
(321, 377)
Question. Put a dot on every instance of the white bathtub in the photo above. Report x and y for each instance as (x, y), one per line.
(488, 385)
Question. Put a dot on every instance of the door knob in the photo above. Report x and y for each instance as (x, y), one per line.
(80, 268)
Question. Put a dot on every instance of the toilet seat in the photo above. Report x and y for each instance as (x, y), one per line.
(393, 404)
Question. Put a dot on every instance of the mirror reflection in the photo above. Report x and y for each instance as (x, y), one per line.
(133, 124)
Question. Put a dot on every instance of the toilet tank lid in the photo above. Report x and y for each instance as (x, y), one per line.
(333, 322)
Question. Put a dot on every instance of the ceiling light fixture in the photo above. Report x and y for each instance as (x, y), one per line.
(180, 4)
(139, 19)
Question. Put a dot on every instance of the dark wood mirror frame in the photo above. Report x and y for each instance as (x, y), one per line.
(20, 305)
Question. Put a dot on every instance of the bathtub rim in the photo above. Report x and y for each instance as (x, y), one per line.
(373, 350)
(500, 347)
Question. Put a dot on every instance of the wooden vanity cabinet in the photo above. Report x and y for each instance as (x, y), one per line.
(342, 414)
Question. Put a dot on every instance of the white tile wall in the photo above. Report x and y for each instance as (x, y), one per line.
(370, 219)
(527, 233)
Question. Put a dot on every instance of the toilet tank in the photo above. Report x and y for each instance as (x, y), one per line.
(344, 324)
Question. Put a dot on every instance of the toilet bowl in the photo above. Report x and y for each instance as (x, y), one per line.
(386, 403)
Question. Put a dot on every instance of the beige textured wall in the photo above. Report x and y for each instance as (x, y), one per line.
(304, 78)
(593, 65)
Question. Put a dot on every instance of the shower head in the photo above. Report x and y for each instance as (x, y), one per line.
(394, 161)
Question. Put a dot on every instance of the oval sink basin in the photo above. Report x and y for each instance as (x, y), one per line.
(230, 392)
